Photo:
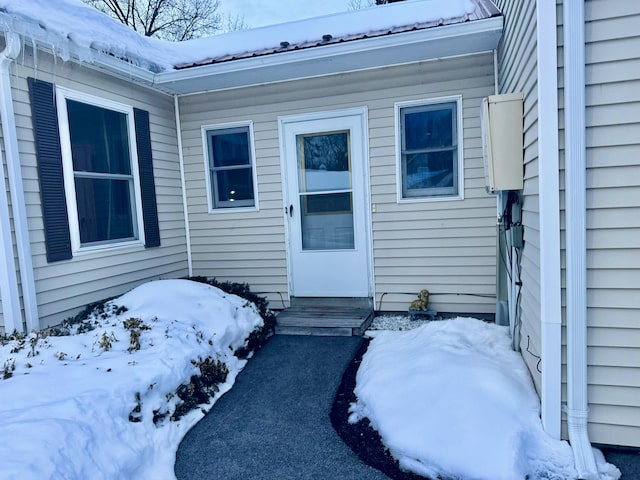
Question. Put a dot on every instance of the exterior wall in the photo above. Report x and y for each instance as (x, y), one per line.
(447, 247)
(67, 286)
(517, 72)
(613, 202)
(613, 220)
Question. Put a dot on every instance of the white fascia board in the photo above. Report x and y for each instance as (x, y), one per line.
(420, 45)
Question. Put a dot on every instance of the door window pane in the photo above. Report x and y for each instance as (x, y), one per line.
(324, 162)
(324, 166)
(327, 221)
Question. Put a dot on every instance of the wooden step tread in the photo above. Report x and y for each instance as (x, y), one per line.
(325, 316)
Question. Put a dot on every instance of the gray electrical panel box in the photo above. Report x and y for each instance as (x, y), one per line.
(502, 141)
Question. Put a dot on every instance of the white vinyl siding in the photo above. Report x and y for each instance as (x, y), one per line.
(446, 247)
(613, 220)
(517, 72)
(65, 287)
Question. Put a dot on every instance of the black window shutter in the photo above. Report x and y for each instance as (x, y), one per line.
(147, 183)
(47, 137)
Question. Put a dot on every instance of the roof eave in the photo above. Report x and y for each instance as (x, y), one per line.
(401, 48)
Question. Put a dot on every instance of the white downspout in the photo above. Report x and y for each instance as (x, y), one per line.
(576, 250)
(176, 109)
(549, 206)
(7, 116)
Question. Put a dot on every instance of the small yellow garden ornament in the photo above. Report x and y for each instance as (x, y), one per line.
(420, 308)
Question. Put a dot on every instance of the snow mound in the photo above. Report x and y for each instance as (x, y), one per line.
(67, 404)
(452, 399)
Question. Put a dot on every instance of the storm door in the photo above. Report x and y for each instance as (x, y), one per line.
(326, 209)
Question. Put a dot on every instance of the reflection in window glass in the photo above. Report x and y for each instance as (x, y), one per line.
(101, 158)
(429, 150)
(230, 168)
(324, 162)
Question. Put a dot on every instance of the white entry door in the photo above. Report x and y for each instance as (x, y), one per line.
(325, 167)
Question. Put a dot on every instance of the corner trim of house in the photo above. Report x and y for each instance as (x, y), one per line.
(14, 173)
(549, 205)
(576, 244)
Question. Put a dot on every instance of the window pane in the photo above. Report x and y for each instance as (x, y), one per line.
(324, 162)
(104, 209)
(327, 221)
(431, 128)
(230, 149)
(234, 186)
(431, 170)
(99, 139)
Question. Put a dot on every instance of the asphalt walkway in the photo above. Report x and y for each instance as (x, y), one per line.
(274, 423)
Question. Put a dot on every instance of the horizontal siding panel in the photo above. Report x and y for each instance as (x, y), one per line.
(616, 71)
(606, 218)
(612, 28)
(613, 238)
(613, 317)
(613, 357)
(614, 434)
(599, 10)
(616, 114)
(611, 135)
(442, 233)
(613, 93)
(392, 253)
(614, 298)
(614, 414)
(611, 337)
(612, 50)
(622, 279)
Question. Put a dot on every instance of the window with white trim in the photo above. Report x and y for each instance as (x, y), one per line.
(430, 154)
(100, 170)
(230, 163)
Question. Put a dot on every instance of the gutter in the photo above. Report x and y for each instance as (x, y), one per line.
(18, 206)
(549, 207)
(576, 252)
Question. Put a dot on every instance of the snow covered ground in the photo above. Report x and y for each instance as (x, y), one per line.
(448, 397)
(64, 412)
(451, 398)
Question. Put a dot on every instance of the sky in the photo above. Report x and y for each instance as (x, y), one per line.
(258, 13)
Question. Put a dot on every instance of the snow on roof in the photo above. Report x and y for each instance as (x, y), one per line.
(71, 29)
(343, 27)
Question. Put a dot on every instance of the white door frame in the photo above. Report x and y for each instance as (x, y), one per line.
(283, 121)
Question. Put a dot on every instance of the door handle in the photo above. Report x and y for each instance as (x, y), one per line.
(291, 210)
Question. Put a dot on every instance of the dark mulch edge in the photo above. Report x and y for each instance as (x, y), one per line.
(361, 437)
